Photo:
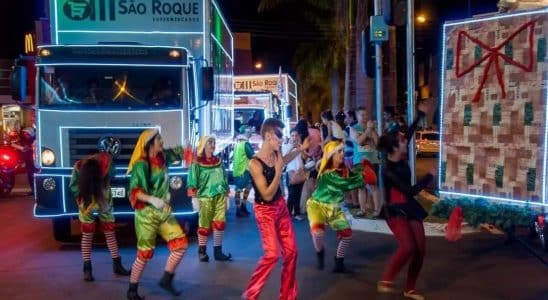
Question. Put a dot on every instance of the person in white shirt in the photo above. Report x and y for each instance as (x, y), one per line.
(296, 175)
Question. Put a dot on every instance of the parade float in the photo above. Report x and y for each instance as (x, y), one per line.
(494, 123)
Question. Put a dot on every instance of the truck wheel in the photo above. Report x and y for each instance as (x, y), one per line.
(61, 229)
(6, 185)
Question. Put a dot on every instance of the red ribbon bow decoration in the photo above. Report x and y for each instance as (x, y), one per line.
(492, 56)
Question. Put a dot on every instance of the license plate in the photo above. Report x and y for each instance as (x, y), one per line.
(118, 192)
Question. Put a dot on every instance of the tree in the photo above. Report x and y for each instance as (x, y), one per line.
(319, 66)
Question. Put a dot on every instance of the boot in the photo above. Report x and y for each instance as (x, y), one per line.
(167, 283)
(339, 266)
(202, 255)
(132, 292)
(244, 209)
(118, 268)
(219, 255)
(321, 259)
(88, 276)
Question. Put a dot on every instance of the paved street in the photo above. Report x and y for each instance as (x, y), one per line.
(481, 266)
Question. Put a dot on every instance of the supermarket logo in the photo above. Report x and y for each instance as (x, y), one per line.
(78, 10)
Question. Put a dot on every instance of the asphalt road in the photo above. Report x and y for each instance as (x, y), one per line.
(480, 266)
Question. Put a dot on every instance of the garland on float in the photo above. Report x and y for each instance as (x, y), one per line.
(480, 211)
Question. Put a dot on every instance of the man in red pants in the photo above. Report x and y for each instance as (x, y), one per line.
(271, 213)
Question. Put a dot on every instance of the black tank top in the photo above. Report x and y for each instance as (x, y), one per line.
(268, 173)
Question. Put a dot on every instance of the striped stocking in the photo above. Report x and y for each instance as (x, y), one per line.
(87, 238)
(218, 237)
(343, 245)
(173, 260)
(317, 240)
(202, 240)
(137, 270)
(112, 244)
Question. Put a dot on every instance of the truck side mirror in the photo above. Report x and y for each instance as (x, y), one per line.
(207, 84)
(19, 83)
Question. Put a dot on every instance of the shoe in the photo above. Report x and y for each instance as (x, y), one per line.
(339, 266)
(118, 268)
(88, 275)
(299, 218)
(360, 214)
(385, 287)
(219, 255)
(412, 294)
(167, 283)
(132, 292)
(320, 259)
(202, 255)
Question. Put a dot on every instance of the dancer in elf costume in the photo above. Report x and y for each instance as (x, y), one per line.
(149, 196)
(243, 152)
(334, 179)
(208, 187)
(90, 186)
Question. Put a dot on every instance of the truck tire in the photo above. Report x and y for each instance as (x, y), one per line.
(61, 229)
(6, 185)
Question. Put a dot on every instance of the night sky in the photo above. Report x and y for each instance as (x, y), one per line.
(275, 34)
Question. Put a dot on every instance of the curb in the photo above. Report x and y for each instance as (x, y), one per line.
(380, 226)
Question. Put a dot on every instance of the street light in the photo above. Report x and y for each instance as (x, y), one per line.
(421, 18)
(258, 65)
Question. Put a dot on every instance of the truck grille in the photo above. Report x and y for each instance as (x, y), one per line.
(83, 142)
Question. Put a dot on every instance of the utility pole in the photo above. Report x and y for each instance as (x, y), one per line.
(378, 75)
(411, 84)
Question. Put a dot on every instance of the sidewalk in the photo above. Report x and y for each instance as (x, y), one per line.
(380, 226)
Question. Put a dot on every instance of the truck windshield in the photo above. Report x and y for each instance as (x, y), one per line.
(109, 87)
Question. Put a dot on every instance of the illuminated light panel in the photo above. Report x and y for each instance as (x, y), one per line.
(545, 180)
(112, 65)
(492, 198)
(107, 111)
(544, 193)
(120, 213)
(496, 17)
(131, 32)
(222, 48)
(222, 18)
(63, 193)
(111, 45)
(56, 22)
(442, 105)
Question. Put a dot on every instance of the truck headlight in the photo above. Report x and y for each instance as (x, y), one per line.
(48, 184)
(175, 182)
(48, 157)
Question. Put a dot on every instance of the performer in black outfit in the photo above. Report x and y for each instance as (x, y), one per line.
(404, 214)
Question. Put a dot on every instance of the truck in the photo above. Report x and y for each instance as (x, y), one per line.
(115, 68)
(277, 93)
(261, 105)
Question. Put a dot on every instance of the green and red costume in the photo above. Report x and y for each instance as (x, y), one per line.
(86, 214)
(243, 152)
(208, 183)
(324, 205)
(149, 176)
